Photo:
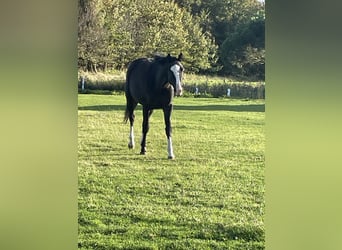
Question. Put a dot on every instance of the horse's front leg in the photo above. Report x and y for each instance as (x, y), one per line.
(168, 129)
(145, 127)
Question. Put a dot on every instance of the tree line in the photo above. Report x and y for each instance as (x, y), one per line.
(224, 37)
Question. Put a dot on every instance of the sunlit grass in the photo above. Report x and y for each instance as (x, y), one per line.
(210, 197)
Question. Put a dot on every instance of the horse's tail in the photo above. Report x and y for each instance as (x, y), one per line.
(128, 96)
(130, 104)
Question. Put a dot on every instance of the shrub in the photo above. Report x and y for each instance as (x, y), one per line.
(237, 90)
(102, 81)
(207, 86)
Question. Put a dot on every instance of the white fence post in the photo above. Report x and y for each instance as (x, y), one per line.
(82, 82)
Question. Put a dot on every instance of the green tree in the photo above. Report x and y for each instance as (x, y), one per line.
(221, 17)
(226, 20)
(243, 53)
(117, 31)
(92, 36)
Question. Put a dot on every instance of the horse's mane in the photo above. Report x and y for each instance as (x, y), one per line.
(163, 59)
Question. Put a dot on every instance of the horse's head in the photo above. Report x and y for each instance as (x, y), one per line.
(175, 73)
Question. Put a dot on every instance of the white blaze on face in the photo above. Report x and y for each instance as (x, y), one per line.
(176, 72)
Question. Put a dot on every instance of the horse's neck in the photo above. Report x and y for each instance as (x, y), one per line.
(159, 78)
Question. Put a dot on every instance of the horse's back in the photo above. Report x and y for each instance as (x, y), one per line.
(139, 65)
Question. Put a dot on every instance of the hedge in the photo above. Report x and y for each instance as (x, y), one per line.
(237, 89)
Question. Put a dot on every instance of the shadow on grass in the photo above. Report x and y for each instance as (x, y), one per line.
(207, 231)
(104, 107)
(234, 108)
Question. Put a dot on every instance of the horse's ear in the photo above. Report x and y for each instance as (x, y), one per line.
(180, 57)
(168, 57)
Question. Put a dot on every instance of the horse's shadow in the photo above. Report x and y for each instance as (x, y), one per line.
(233, 108)
(103, 107)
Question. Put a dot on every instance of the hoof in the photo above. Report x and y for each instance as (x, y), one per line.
(143, 151)
(130, 146)
(172, 157)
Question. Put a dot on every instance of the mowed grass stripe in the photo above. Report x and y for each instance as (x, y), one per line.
(210, 197)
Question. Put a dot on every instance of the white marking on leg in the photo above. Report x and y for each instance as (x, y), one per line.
(142, 137)
(131, 138)
(170, 149)
(176, 71)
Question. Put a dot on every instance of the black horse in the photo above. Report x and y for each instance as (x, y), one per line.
(153, 83)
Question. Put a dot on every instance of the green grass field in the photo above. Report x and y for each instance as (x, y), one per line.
(210, 197)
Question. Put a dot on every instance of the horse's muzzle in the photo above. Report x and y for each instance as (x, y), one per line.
(179, 91)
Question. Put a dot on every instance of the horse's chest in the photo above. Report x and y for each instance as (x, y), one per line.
(161, 99)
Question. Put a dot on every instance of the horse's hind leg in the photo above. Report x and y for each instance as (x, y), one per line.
(145, 127)
(131, 132)
(131, 105)
(168, 129)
